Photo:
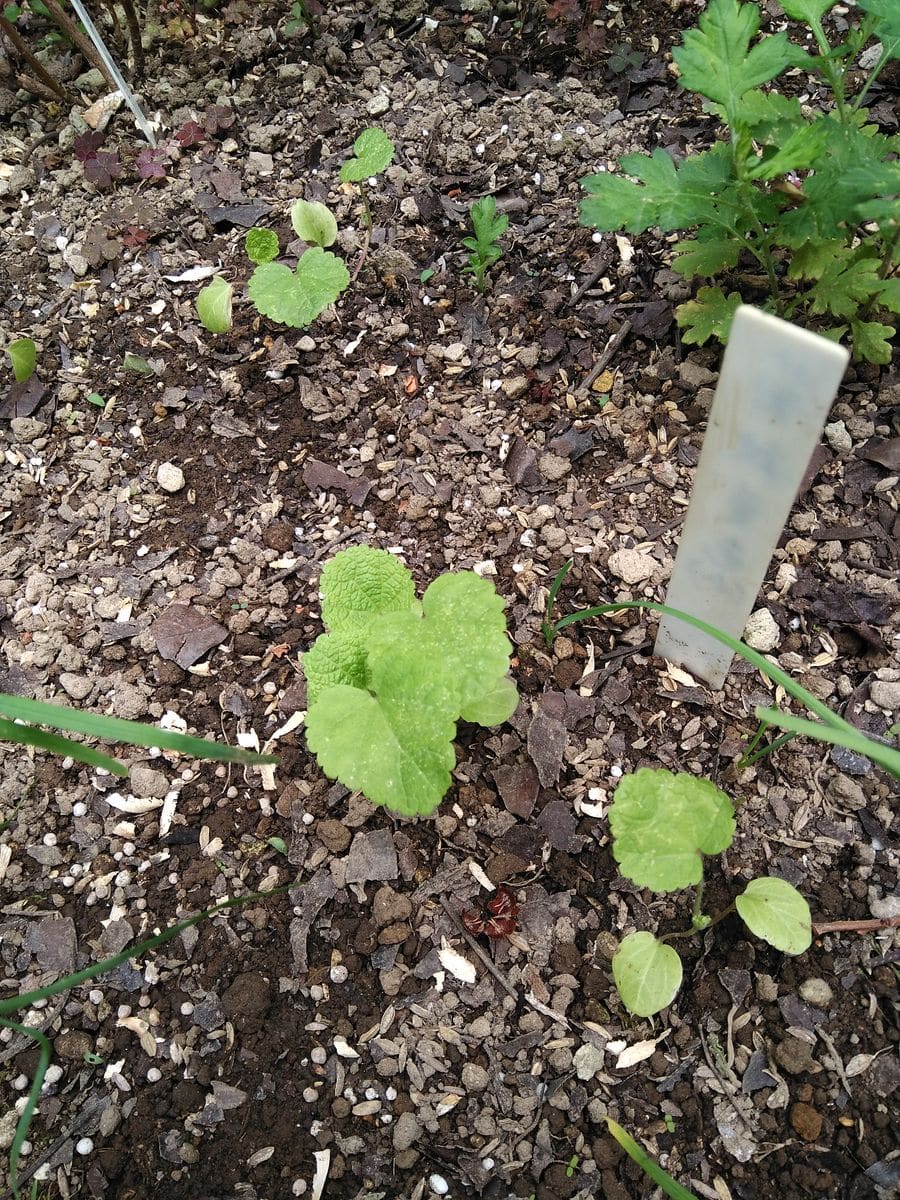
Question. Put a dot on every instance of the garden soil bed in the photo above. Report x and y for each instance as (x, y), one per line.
(460, 432)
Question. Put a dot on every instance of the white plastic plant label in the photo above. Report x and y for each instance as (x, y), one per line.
(775, 389)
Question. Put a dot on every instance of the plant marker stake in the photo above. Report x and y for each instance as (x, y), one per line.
(775, 389)
(109, 63)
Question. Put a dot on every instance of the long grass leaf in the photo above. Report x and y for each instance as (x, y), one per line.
(28, 735)
(853, 740)
(115, 729)
(649, 1166)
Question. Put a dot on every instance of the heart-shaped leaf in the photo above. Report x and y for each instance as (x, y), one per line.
(297, 298)
(777, 913)
(663, 824)
(374, 150)
(647, 973)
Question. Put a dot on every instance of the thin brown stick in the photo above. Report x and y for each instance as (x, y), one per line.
(134, 33)
(21, 46)
(77, 38)
(855, 926)
(608, 351)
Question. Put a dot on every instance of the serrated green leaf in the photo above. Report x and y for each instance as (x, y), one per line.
(362, 583)
(889, 295)
(297, 298)
(709, 315)
(395, 743)
(662, 825)
(335, 658)
(777, 913)
(487, 225)
(474, 663)
(799, 149)
(887, 28)
(813, 259)
(705, 257)
(261, 245)
(647, 973)
(373, 151)
(314, 223)
(23, 356)
(718, 61)
(214, 305)
(846, 284)
(872, 341)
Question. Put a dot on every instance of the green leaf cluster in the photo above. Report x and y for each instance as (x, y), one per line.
(662, 826)
(484, 248)
(392, 676)
(297, 297)
(786, 185)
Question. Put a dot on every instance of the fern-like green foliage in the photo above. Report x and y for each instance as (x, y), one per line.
(823, 188)
(484, 248)
(388, 682)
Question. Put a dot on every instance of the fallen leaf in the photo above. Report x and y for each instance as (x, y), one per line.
(184, 634)
(638, 1052)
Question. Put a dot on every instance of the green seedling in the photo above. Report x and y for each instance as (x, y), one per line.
(27, 999)
(301, 18)
(214, 305)
(662, 826)
(572, 1166)
(484, 248)
(811, 198)
(653, 1170)
(136, 365)
(96, 399)
(23, 356)
(297, 297)
(389, 681)
(20, 719)
(373, 151)
(829, 728)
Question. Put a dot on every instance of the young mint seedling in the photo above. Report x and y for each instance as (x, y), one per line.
(811, 198)
(662, 825)
(484, 248)
(297, 297)
(389, 681)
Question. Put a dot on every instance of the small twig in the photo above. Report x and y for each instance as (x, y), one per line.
(77, 38)
(608, 351)
(881, 572)
(821, 927)
(495, 971)
(43, 75)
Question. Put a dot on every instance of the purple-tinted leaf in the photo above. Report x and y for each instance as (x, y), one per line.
(216, 117)
(103, 168)
(190, 134)
(87, 145)
(150, 163)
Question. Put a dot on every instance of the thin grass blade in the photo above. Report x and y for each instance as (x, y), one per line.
(649, 1166)
(115, 729)
(28, 735)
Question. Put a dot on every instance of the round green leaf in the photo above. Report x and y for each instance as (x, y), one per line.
(374, 150)
(261, 245)
(360, 584)
(314, 223)
(647, 973)
(214, 305)
(663, 824)
(777, 913)
(297, 298)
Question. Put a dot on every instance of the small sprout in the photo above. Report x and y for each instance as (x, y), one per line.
(572, 1166)
(261, 245)
(136, 364)
(425, 275)
(23, 356)
(373, 150)
(214, 305)
(96, 399)
(314, 223)
(278, 844)
(484, 248)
